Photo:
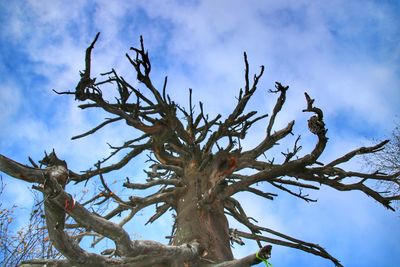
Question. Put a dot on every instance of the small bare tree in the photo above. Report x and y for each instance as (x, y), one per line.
(198, 165)
(387, 160)
(27, 242)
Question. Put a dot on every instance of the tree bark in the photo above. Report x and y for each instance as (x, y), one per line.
(208, 224)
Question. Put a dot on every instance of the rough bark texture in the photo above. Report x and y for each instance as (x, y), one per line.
(197, 164)
(206, 223)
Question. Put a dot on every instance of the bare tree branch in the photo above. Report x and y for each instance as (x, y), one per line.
(17, 170)
(197, 165)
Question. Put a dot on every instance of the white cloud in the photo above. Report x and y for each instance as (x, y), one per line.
(10, 101)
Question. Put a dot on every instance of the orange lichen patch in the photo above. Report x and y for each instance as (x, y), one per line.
(193, 163)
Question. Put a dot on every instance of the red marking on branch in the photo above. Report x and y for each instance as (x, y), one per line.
(69, 204)
(228, 166)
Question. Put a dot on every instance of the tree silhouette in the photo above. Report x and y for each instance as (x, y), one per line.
(387, 160)
(198, 165)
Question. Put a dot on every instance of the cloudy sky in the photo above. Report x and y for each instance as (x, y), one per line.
(346, 54)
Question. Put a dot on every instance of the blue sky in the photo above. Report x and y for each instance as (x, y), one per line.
(346, 54)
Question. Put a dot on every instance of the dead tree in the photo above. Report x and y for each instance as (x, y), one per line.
(198, 166)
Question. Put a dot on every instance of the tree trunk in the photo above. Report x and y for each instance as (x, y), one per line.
(205, 223)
